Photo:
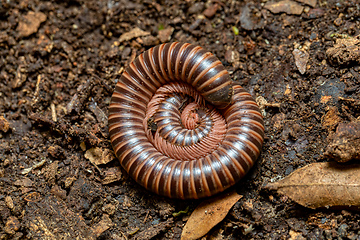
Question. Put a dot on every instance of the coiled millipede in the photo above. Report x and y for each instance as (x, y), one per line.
(180, 126)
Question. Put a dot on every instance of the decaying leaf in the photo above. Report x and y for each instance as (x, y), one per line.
(208, 214)
(325, 184)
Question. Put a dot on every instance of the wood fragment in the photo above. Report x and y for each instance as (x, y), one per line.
(53, 112)
(76, 103)
(104, 224)
(37, 89)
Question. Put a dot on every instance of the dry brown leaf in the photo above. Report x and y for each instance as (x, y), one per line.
(325, 184)
(208, 214)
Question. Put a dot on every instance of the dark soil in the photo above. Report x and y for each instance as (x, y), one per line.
(59, 62)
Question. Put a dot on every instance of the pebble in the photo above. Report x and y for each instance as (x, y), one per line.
(295, 235)
(195, 24)
(232, 56)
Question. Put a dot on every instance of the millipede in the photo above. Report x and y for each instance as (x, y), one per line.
(180, 126)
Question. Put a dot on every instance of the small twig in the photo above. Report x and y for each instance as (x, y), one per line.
(53, 112)
(37, 89)
(147, 215)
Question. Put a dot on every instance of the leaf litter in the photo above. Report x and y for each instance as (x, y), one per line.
(208, 214)
(318, 185)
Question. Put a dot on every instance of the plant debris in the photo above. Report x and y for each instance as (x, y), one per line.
(322, 185)
(301, 59)
(208, 214)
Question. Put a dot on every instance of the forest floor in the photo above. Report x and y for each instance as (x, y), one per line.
(60, 61)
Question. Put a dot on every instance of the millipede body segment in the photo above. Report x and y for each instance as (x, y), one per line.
(180, 126)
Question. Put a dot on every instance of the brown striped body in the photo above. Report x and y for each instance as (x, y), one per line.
(164, 135)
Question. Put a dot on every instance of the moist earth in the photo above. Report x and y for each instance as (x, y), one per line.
(60, 61)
